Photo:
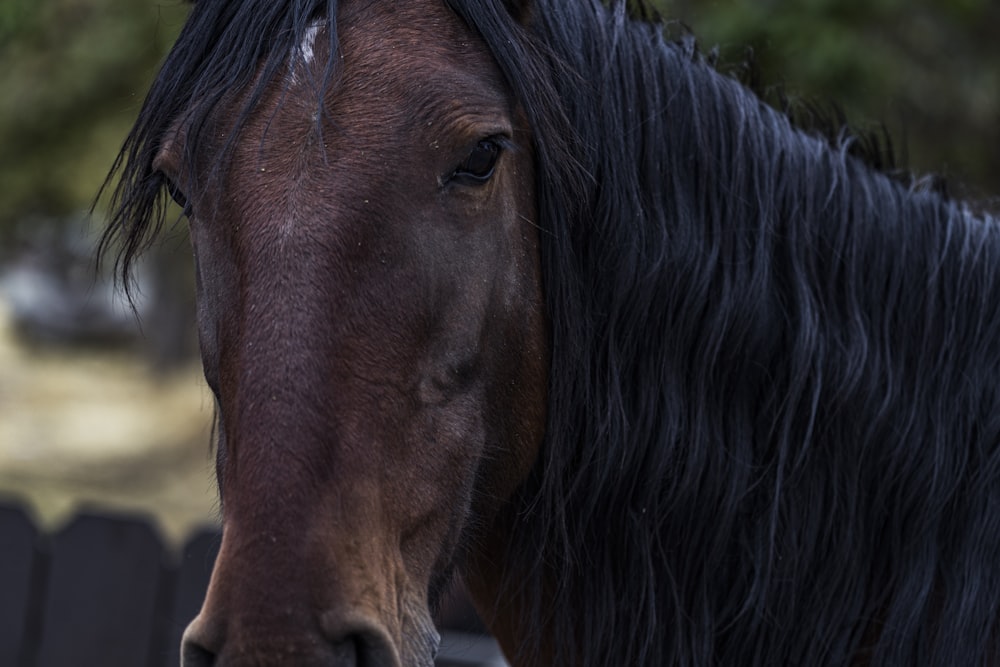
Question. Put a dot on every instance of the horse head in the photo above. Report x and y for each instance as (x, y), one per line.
(371, 325)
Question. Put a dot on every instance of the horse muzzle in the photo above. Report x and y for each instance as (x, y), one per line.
(353, 643)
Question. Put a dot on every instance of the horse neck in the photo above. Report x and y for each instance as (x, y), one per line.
(730, 295)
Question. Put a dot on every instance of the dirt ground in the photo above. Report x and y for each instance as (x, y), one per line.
(99, 430)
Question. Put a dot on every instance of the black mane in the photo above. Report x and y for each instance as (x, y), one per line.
(774, 431)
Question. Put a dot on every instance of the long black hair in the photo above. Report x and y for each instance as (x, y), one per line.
(774, 432)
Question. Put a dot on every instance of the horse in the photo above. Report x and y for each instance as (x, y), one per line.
(530, 295)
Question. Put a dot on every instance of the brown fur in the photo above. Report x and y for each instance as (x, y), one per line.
(373, 337)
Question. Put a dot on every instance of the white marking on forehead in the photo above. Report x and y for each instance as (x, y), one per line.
(303, 54)
(308, 40)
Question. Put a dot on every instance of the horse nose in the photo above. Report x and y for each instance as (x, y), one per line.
(363, 646)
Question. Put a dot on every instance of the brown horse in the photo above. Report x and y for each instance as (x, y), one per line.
(527, 292)
(371, 323)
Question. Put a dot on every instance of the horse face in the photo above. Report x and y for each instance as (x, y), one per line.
(370, 318)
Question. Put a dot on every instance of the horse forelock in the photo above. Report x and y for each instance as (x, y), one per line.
(224, 49)
(746, 459)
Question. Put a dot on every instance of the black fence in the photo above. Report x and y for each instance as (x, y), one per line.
(105, 591)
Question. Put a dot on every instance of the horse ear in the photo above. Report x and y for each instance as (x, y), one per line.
(520, 9)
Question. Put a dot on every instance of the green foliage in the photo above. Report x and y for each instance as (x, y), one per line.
(928, 69)
(73, 74)
(14, 17)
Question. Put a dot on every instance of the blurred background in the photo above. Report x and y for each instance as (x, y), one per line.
(103, 409)
(98, 407)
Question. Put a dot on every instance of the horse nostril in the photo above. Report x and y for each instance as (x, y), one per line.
(194, 655)
(346, 653)
(194, 649)
(366, 649)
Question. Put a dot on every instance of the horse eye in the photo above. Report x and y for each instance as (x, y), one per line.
(478, 167)
(178, 197)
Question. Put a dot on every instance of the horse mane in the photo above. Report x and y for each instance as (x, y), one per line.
(774, 427)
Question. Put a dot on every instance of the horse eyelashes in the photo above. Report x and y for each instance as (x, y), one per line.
(178, 197)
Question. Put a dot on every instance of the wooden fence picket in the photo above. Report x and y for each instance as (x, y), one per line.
(19, 563)
(101, 601)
